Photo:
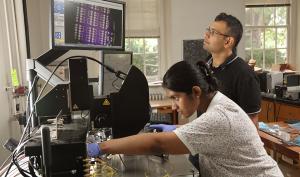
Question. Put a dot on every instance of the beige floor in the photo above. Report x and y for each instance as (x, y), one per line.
(289, 170)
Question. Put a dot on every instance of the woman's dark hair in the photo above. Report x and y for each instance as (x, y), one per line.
(182, 76)
(234, 25)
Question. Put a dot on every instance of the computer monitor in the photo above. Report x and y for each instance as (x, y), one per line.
(119, 61)
(88, 24)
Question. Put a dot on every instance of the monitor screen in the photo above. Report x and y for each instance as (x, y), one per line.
(88, 24)
(119, 61)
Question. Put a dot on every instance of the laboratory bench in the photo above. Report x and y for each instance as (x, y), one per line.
(275, 109)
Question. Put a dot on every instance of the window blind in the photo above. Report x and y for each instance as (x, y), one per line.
(142, 18)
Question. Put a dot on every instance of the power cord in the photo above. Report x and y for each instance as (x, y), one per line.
(277, 115)
(114, 84)
(268, 107)
(35, 80)
(119, 74)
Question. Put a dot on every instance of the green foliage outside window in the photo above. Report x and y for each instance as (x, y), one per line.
(266, 35)
(145, 54)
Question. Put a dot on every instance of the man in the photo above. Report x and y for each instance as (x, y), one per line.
(224, 137)
(237, 80)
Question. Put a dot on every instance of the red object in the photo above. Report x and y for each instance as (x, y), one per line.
(20, 90)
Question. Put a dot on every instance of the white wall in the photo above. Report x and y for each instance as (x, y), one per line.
(188, 19)
(4, 109)
(39, 32)
(38, 13)
(8, 127)
(3, 95)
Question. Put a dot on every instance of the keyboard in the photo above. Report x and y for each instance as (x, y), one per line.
(160, 118)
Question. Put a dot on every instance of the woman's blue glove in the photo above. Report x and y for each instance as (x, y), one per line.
(93, 150)
(163, 127)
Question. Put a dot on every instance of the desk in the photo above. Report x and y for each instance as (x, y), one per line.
(278, 109)
(165, 106)
(140, 166)
(276, 145)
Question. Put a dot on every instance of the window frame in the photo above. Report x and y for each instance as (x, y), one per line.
(287, 26)
(149, 78)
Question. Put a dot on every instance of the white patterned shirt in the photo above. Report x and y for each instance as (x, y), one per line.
(227, 142)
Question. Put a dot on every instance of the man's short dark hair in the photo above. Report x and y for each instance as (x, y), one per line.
(235, 26)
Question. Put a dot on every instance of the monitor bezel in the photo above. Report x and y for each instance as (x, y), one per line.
(91, 47)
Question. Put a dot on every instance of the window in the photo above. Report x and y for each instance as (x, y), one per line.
(266, 34)
(145, 55)
(142, 31)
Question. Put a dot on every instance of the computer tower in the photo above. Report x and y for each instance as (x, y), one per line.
(274, 78)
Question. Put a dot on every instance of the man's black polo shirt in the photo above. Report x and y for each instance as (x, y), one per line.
(238, 82)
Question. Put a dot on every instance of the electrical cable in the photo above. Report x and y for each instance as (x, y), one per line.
(10, 165)
(31, 164)
(6, 160)
(276, 116)
(31, 168)
(20, 145)
(26, 127)
(22, 171)
(35, 80)
(274, 110)
(15, 161)
(268, 107)
(118, 74)
(122, 160)
(114, 85)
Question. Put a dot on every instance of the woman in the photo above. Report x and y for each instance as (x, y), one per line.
(224, 137)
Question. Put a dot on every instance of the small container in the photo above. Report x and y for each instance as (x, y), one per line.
(284, 136)
(276, 127)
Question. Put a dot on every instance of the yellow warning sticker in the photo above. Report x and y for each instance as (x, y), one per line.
(106, 102)
(75, 107)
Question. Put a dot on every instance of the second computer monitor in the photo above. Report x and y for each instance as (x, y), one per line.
(119, 61)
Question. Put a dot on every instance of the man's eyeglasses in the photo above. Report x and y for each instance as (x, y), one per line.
(212, 32)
